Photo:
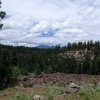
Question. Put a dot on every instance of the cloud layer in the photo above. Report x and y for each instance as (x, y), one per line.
(50, 22)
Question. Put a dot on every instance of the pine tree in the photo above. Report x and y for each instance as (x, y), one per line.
(86, 65)
(0, 18)
(14, 58)
(2, 15)
(4, 69)
(97, 65)
(69, 46)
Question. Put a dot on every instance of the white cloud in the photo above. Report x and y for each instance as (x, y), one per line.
(50, 22)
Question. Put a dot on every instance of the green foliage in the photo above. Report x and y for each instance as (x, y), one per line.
(37, 70)
(50, 98)
(2, 15)
(50, 69)
(86, 94)
(20, 97)
(5, 70)
(14, 58)
(15, 71)
(97, 65)
(34, 60)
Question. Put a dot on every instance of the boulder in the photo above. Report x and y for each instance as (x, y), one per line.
(38, 97)
(72, 88)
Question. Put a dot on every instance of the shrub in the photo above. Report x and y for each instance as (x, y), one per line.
(15, 71)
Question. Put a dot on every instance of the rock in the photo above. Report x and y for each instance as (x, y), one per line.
(72, 88)
(38, 97)
(20, 85)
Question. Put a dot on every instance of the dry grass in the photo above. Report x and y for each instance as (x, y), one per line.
(27, 93)
(50, 93)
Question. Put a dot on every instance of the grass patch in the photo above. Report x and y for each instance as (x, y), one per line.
(49, 92)
(28, 93)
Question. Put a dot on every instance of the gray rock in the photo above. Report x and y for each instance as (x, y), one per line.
(72, 88)
(38, 97)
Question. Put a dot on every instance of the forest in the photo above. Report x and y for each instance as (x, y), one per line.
(20, 60)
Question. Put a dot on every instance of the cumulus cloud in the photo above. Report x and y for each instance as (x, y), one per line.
(50, 22)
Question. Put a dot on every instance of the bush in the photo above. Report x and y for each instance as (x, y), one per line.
(15, 71)
(50, 98)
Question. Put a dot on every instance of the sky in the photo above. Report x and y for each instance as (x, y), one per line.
(50, 22)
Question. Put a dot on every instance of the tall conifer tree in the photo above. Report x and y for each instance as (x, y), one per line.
(2, 15)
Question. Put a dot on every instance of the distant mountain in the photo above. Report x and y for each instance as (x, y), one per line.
(45, 46)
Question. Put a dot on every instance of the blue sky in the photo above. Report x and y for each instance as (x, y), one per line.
(50, 22)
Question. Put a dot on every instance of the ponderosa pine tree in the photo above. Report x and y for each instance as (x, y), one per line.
(0, 18)
(5, 70)
(2, 15)
(4, 63)
(14, 58)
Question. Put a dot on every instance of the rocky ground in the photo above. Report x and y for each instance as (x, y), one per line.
(57, 79)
